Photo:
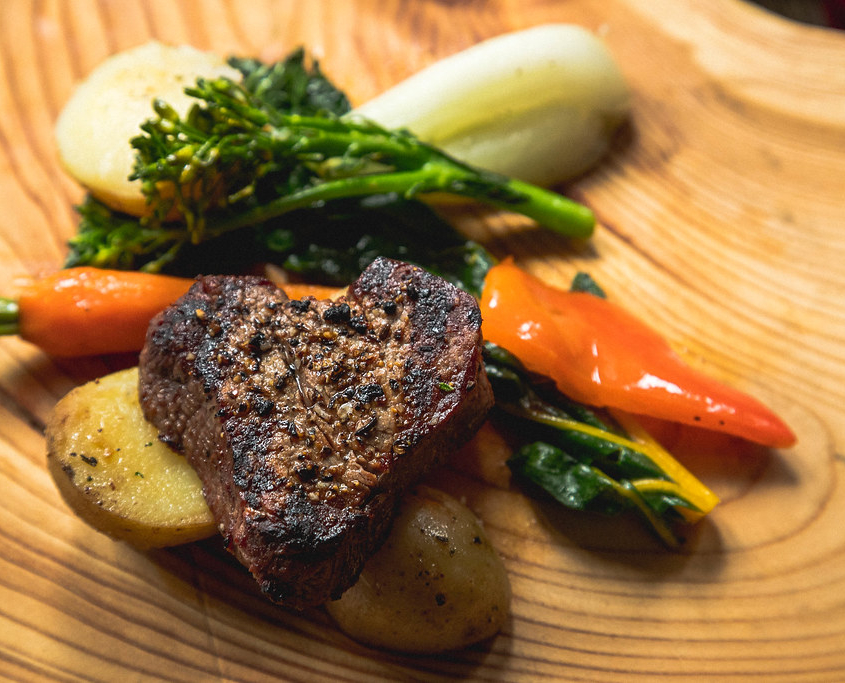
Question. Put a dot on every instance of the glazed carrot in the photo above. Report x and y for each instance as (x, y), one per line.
(599, 354)
(88, 311)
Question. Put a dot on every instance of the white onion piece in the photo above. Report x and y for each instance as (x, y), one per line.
(540, 105)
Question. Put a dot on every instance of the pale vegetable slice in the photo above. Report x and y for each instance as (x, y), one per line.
(106, 110)
(436, 584)
(113, 471)
(540, 104)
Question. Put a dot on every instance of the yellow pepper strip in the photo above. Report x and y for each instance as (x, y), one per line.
(690, 487)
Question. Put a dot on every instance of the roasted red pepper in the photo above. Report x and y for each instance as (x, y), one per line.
(599, 354)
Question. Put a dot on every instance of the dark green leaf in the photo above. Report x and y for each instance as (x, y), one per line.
(247, 155)
(571, 482)
(290, 85)
(109, 239)
(332, 244)
(582, 468)
(584, 282)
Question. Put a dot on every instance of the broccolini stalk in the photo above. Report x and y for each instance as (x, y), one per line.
(588, 464)
(278, 153)
(236, 161)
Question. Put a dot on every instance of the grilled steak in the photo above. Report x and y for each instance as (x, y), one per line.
(306, 420)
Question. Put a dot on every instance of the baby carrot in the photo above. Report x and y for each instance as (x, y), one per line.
(88, 311)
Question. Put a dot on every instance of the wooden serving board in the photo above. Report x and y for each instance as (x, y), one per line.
(722, 222)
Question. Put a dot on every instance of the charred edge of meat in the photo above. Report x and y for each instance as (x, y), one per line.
(307, 420)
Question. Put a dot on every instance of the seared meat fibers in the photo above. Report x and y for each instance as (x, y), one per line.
(306, 420)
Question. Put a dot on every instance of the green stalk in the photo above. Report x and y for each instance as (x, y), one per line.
(249, 152)
(551, 210)
(578, 458)
(629, 491)
(232, 141)
(9, 316)
(432, 171)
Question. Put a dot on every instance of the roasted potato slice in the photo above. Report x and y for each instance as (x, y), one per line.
(106, 111)
(113, 471)
(436, 584)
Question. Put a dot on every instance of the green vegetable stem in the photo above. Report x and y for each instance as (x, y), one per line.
(247, 153)
(587, 463)
(218, 157)
(9, 316)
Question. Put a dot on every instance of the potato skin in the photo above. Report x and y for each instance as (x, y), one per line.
(113, 471)
(436, 584)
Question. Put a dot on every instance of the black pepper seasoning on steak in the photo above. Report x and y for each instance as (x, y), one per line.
(307, 420)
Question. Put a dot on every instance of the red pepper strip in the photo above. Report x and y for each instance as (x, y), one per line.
(601, 355)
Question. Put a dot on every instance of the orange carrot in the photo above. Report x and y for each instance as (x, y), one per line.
(88, 311)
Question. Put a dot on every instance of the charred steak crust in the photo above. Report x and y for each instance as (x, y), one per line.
(306, 420)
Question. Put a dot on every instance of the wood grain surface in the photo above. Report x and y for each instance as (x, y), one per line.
(722, 221)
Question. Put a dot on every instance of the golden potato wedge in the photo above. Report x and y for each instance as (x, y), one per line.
(436, 584)
(106, 110)
(113, 471)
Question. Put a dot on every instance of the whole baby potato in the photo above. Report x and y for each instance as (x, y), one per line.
(436, 584)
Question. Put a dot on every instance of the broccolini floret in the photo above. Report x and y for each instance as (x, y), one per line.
(280, 141)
